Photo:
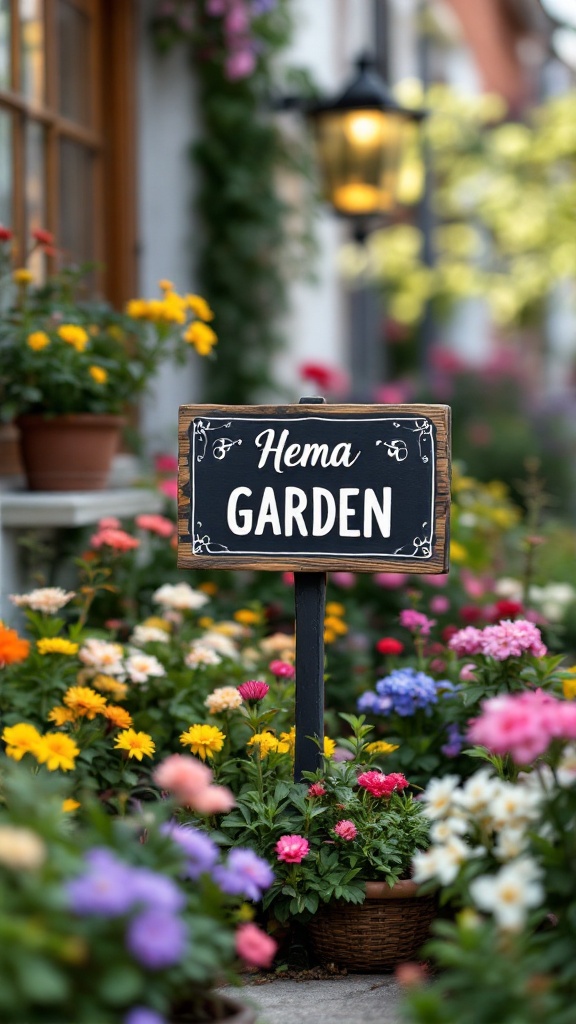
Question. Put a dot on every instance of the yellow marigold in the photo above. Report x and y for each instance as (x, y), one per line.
(336, 625)
(83, 701)
(70, 805)
(330, 636)
(335, 608)
(137, 744)
(74, 335)
(247, 617)
(20, 739)
(205, 622)
(57, 750)
(98, 373)
(60, 715)
(37, 340)
(137, 308)
(12, 647)
(208, 588)
(205, 740)
(381, 747)
(56, 645)
(329, 746)
(457, 551)
(268, 743)
(290, 739)
(569, 684)
(201, 336)
(165, 285)
(199, 306)
(23, 276)
(108, 684)
(120, 718)
(157, 622)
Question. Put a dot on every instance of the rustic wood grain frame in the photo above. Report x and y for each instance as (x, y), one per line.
(439, 415)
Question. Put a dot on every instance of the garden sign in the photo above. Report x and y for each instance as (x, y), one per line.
(313, 488)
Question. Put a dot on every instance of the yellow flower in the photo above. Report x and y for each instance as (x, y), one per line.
(268, 743)
(20, 739)
(84, 702)
(74, 335)
(22, 276)
(205, 622)
(56, 645)
(137, 744)
(201, 336)
(116, 332)
(157, 622)
(37, 340)
(330, 636)
(205, 740)
(290, 739)
(381, 747)
(208, 588)
(107, 684)
(569, 685)
(120, 718)
(98, 374)
(56, 750)
(199, 306)
(70, 805)
(335, 625)
(457, 551)
(335, 608)
(137, 308)
(247, 617)
(60, 715)
(165, 285)
(329, 746)
(245, 912)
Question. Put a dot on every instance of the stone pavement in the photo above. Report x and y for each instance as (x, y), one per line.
(353, 999)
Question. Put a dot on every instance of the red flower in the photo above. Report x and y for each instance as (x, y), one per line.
(253, 689)
(470, 613)
(43, 237)
(389, 645)
(505, 609)
(448, 632)
(5, 234)
(316, 789)
(382, 785)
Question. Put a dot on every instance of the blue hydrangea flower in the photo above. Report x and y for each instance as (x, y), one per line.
(403, 692)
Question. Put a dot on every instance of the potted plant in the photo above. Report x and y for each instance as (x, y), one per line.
(69, 366)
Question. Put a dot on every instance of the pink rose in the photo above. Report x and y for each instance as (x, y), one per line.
(292, 849)
(346, 829)
(254, 946)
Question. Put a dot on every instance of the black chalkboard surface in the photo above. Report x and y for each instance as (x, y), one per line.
(317, 487)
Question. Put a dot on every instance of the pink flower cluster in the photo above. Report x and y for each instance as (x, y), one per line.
(190, 782)
(237, 17)
(156, 524)
(382, 785)
(523, 724)
(316, 789)
(346, 829)
(416, 622)
(507, 639)
(114, 538)
(253, 690)
(292, 849)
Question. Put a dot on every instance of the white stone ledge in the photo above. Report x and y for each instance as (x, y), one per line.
(26, 509)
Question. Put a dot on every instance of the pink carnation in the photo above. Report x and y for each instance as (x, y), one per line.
(156, 524)
(282, 669)
(109, 523)
(466, 641)
(118, 540)
(511, 638)
(346, 829)
(292, 849)
(523, 724)
(382, 785)
(416, 622)
(253, 689)
(254, 946)
(316, 789)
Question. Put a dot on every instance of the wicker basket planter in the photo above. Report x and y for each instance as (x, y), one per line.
(385, 930)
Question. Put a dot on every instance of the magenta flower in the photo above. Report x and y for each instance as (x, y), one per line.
(254, 946)
(346, 829)
(523, 724)
(253, 690)
(282, 669)
(292, 849)
(316, 789)
(416, 622)
(379, 784)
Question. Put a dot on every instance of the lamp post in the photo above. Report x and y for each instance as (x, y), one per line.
(359, 138)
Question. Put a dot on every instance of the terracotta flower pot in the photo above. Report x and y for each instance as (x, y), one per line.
(218, 1009)
(387, 929)
(68, 453)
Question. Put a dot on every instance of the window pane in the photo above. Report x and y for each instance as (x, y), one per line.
(32, 49)
(35, 190)
(5, 36)
(75, 233)
(5, 168)
(74, 62)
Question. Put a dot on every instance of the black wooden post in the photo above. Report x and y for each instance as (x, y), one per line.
(310, 601)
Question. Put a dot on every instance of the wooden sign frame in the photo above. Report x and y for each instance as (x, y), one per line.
(437, 562)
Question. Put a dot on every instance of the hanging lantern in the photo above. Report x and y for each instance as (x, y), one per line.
(359, 140)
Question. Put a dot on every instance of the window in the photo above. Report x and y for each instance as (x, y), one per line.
(66, 89)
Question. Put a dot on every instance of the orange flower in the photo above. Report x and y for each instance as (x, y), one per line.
(119, 717)
(12, 647)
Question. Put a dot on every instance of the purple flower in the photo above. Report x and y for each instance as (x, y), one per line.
(454, 741)
(201, 852)
(155, 890)
(105, 888)
(143, 1015)
(157, 939)
(244, 874)
(263, 7)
